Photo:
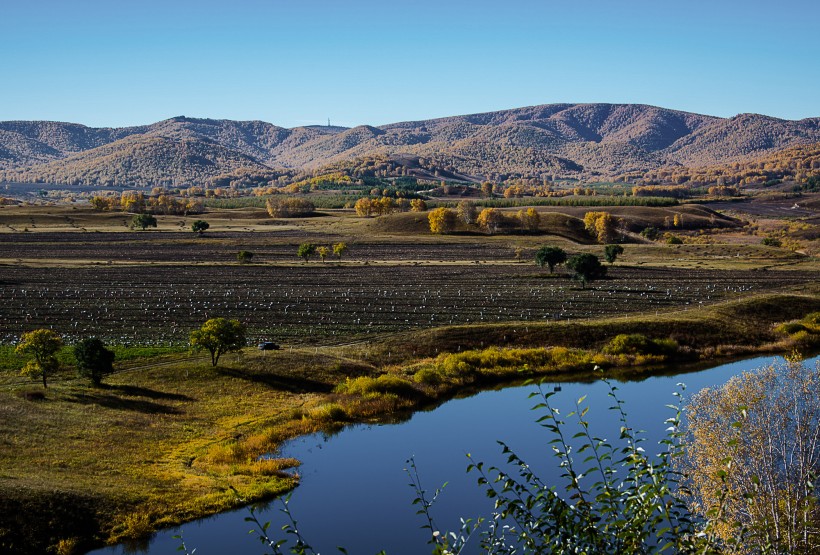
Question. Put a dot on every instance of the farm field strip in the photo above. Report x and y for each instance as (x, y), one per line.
(222, 247)
(324, 303)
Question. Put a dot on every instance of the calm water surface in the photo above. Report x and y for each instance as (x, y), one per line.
(354, 491)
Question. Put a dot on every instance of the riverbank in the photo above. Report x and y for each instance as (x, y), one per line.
(163, 445)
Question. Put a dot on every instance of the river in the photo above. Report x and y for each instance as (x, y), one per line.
(354, 491)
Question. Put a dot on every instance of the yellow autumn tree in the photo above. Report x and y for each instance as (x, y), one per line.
(418, 205)
(753, 454)
(602, 225)
(529, 220)
(490, 219)
(442, 220)
(363, 207)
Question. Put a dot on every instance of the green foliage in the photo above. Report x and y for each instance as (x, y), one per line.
(219, 336)
(244, 257)
(384, 384)
(494, 362)
(550, 256)
(42, 345)
(771, 242)
(93, 360)
(586, 267)
(672, 239)
(339, 249)
(611, 252)
(651, 233)
(615, 499)
(306, 250)
(200, 226)
(639, 344)
(143, 221)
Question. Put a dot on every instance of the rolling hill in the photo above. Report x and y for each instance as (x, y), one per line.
(554, 140)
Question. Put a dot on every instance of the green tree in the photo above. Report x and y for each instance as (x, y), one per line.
(244, 256)
(200, 226)
(339, 249)
(611, 252)
(43, 345)
(586, 267)
(651, 233)
(550, 256)
(93, 360)
(322, 252)
(218, 336)
(143, 221)
(306, 250)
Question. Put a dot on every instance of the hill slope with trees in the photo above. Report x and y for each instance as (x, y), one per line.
(567, 140)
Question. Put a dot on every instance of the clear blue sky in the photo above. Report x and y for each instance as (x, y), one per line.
(297, 62)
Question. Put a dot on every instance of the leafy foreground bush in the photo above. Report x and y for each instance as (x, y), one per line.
(691, 497)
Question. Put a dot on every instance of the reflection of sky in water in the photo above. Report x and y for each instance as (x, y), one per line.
(354, 492)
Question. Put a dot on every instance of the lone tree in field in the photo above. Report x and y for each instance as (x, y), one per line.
(244, 256)
(587, 268)
(143, 221)
(339, 249)
(550, 256)
(218, 336)
(200, 226)
(306, 250)
(442, 220)
(93, 360)
(611, 252)
(43, 345)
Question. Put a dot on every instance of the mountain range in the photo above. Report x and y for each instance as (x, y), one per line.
(555, 140)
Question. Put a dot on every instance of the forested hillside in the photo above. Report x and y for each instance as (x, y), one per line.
(558, 140)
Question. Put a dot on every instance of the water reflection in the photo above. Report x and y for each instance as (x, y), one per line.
(354, 491)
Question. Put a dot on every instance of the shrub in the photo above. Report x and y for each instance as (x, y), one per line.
(386, 383)
(244, 256)
(329, 412)
(637, 344)
(428, 376)
(650, 233)
(790, 328)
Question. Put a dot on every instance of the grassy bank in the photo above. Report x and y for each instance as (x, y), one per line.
(163, 444)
